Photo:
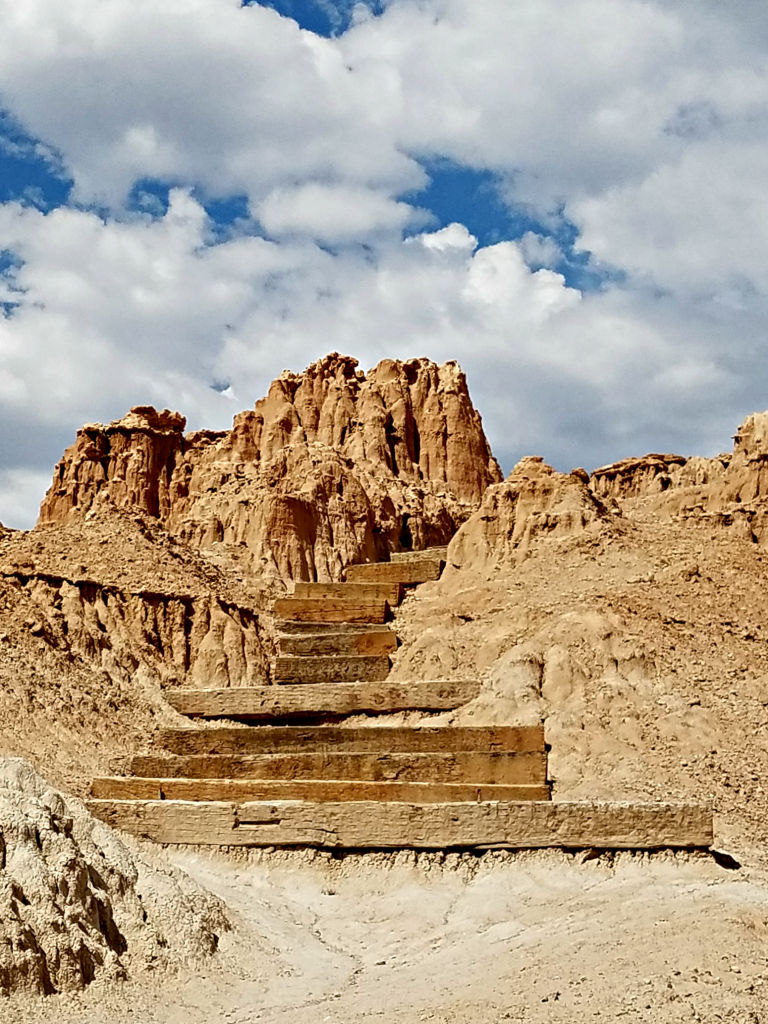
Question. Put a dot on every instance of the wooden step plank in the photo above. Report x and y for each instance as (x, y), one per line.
(337, 790)
(392, 593)
(386, 740)
(287, 627)
(270, 702)
(305, 644)
(440, 553)
(313, 610)
(470, 768)
(395, 572)
(357, 668)
(374, 825)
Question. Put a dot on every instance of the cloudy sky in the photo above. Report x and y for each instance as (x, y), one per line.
(568, 198)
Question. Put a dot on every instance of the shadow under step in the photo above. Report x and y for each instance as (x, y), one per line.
(395, 825)
(528, 769)
(309, 789)
(332, 669)
(339, 739)
(278, 702)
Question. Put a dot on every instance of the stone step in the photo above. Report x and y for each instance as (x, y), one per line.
(394, 825)
(336, 790)
(287, 627)
(392, 593)
(469, 768)
(333, 669)
(417, 571)
(362, 739)
(418, 556)
(325, 610)
(384, 642)
(276, 702)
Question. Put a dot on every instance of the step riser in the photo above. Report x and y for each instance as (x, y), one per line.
(296, 628)
(369, 825)
(390, 592)
(370, 644)
(468, 769)
(284, 739)
(314, 790)
(439, 553)
(406, 573)
(266, 703)
(306, 610)
(331, 670)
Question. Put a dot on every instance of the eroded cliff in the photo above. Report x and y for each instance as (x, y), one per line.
(332, 467)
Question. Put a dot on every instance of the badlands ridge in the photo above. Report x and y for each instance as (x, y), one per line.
(623, 608)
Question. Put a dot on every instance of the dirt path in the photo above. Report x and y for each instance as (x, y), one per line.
(534, 937)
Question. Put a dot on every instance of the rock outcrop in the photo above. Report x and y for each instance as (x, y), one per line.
(333, 467)
(77, 905)
(533, 502)
(729, 490)
(113, 590)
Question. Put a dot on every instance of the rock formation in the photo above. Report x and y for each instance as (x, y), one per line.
(77, 905)
(729, 490)
(534, 501)
(333, 467)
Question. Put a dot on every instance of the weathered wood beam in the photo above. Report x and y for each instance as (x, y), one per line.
(373, 825)
(337, 610)
(469, 768)
(395, 572)
(337, 790)
(365, 668)
(276, 702)
(364, 739)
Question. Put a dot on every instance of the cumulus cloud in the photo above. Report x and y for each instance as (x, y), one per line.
(334, 213)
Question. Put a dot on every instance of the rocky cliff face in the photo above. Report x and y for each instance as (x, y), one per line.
(533, 502)
(77, 905)
(333, 467)
(729, 490)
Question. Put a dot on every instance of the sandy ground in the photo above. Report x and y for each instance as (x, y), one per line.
(535, 936)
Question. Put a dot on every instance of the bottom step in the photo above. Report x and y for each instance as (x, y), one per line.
(371, 825)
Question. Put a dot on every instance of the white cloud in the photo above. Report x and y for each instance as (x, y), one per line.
(333, 213)
(540, 250)
(451, 238)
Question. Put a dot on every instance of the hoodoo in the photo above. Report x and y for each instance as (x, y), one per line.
(332, 467)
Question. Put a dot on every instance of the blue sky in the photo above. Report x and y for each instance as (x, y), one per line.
(568, 200)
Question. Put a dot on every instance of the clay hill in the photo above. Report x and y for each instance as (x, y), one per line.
(626, 609)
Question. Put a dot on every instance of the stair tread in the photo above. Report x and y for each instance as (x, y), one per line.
(338, 643)
(323, 698)
(388, 739)
(402, 825)
(405, 573)
(310, 789)
(330, 610)
(466, 767)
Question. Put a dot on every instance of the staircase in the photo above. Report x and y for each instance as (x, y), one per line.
(293, 772)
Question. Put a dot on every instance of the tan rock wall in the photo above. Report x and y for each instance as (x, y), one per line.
(534, 502)
(332, 467)
(178, 640)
